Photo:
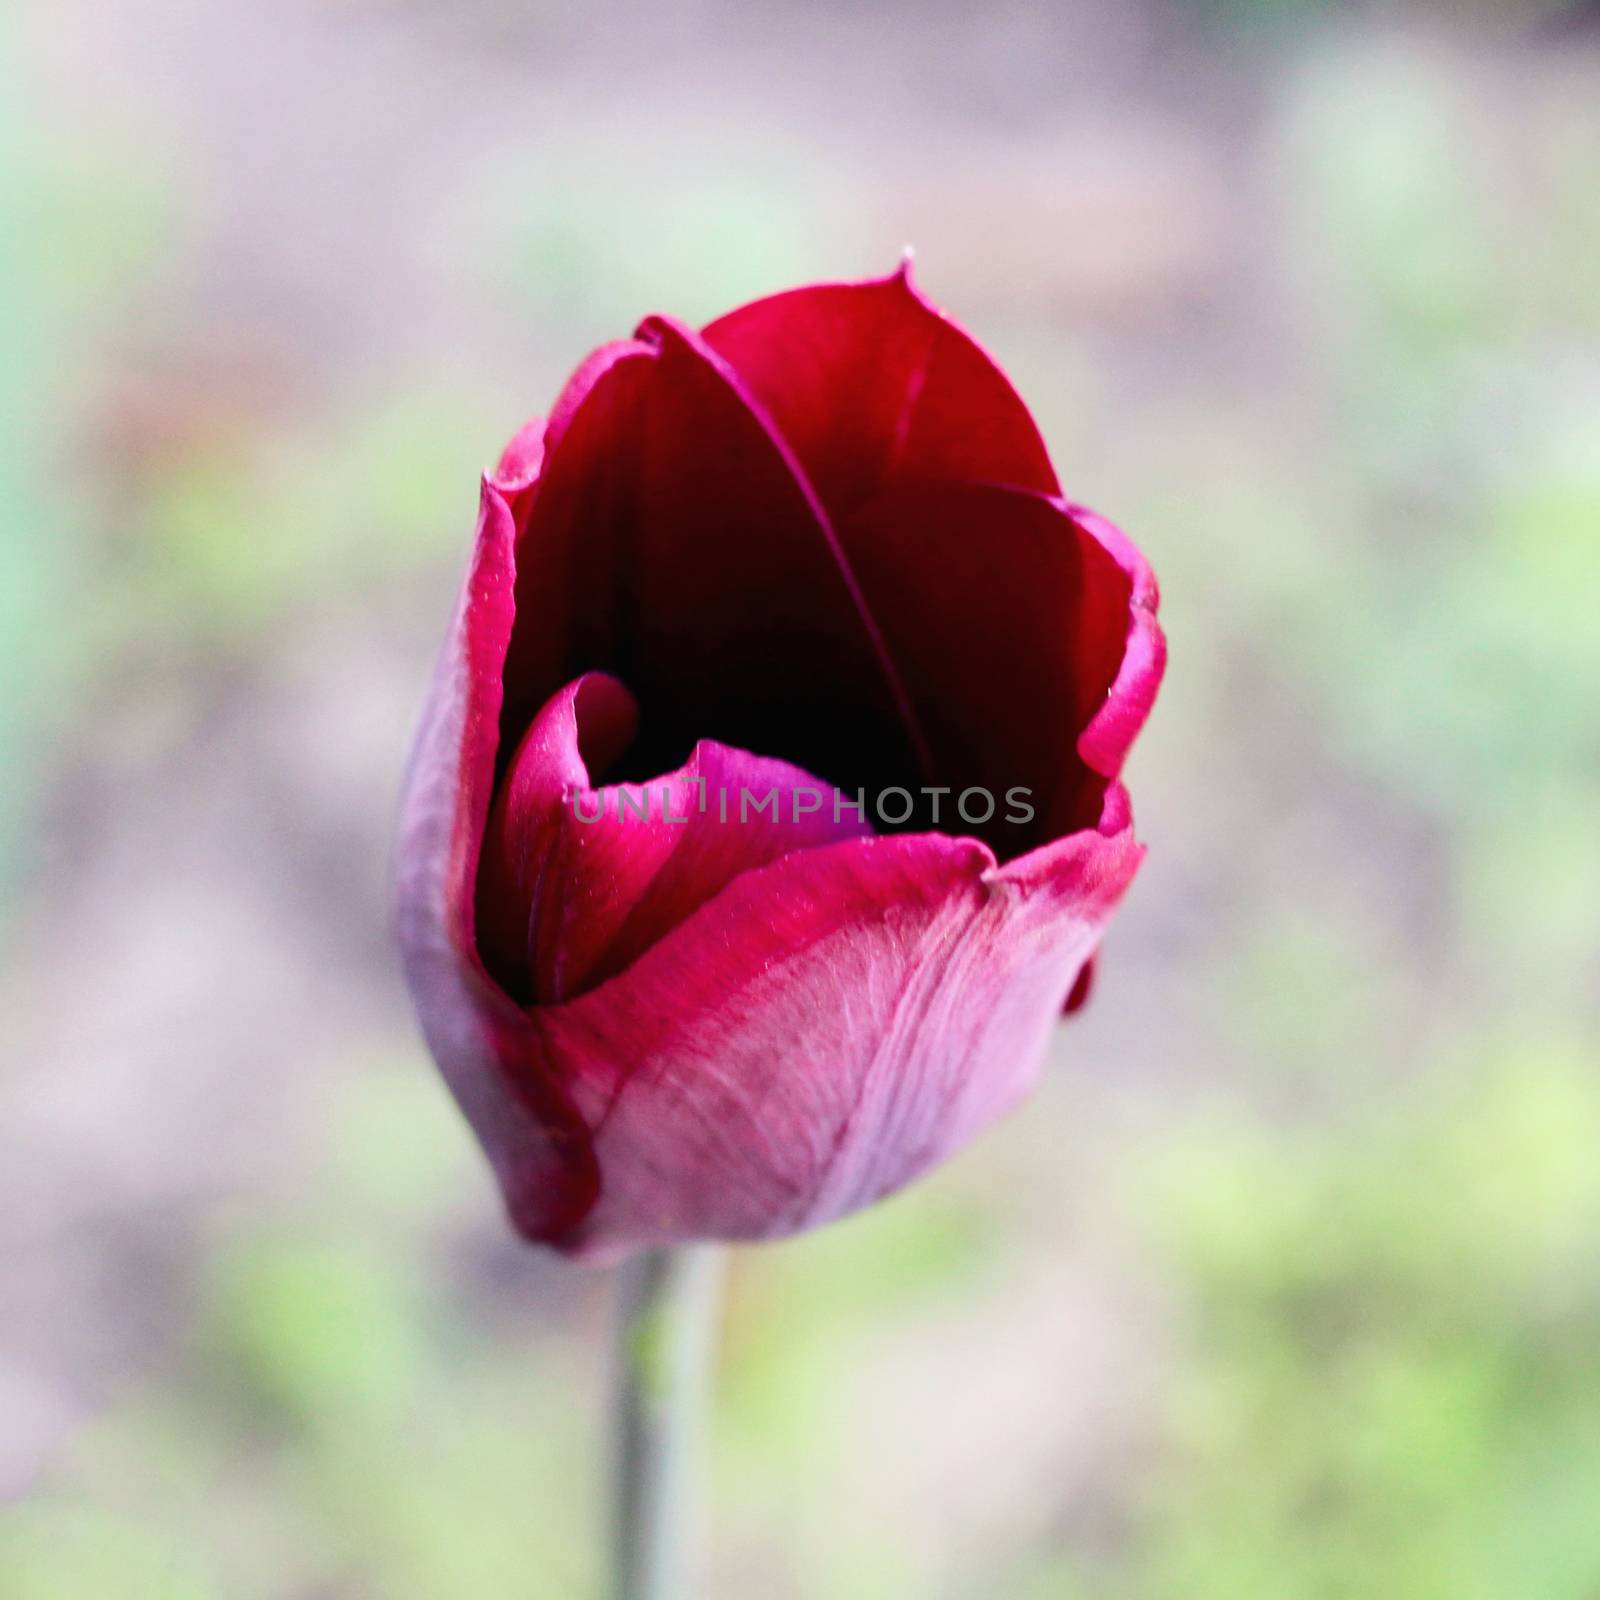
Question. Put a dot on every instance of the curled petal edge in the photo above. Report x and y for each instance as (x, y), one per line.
(1105, 742)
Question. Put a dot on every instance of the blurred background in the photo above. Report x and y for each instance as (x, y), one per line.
(1288, 1284)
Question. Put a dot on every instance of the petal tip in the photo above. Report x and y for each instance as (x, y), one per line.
(1105, 742)
(521, 459)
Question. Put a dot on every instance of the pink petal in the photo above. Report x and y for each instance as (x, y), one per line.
(1012, 622)
(577, 882)
(825, 1029)
(870, 384)
(486, 1046)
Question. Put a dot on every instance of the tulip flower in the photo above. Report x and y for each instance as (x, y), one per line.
(764, 811)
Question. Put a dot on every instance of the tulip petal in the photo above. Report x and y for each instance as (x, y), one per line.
(1105, 743)
(1012, 620)
(825, 1029)
(577, 881)
(871, 384)
(672, 542)
(485, 1045)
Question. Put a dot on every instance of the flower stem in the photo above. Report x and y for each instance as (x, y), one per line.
(667, 1303)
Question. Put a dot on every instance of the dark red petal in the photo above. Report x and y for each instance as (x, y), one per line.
(577, 882)
(565, 609)
(824, 1030)
(491, 1056)
(1081, 990)
(1011, 622)
(871, 384)
(671, 542)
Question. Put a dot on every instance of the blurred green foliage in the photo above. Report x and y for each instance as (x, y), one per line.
(1393, 1387)
(232, 532)
(391, 1451)
(79, 230)
(29, 566)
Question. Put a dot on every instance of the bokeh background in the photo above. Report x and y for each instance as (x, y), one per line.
(1288, 1284)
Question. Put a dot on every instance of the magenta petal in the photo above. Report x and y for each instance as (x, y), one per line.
(579, 881)
(871, 384)
(824, 1030)
(489, 1051)
(585, 727)
(1014, 626)
(1104, 744)
(723, 813)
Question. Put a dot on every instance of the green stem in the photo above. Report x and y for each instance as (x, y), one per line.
(667, 1303)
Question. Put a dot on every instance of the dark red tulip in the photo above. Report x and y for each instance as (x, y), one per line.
(691, 964)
